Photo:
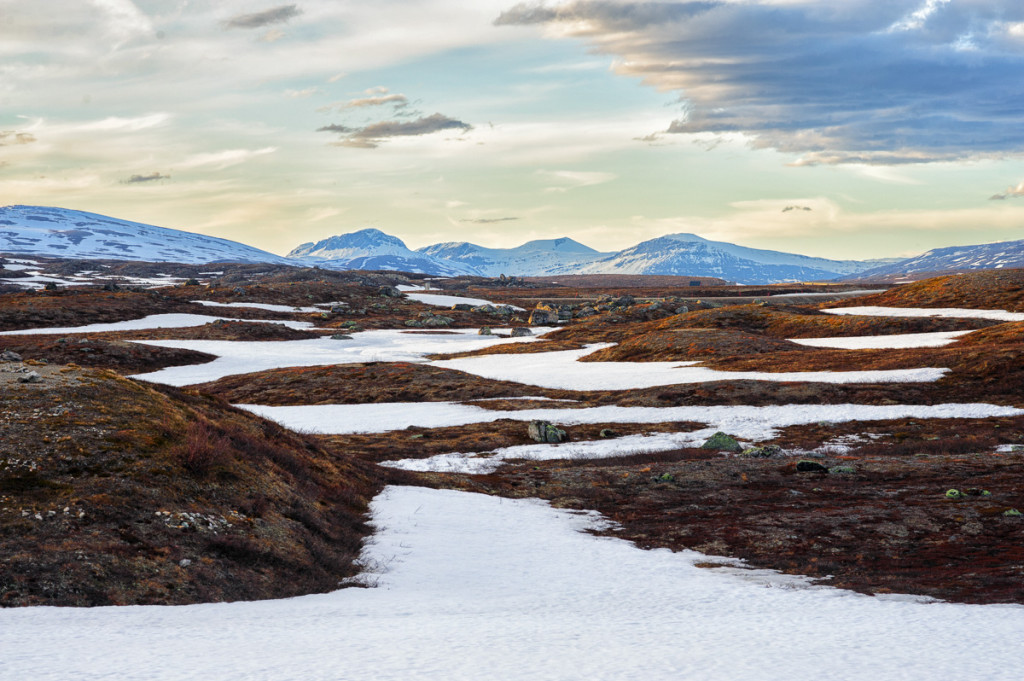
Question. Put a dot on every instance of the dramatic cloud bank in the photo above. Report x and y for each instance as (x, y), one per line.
(858, 81)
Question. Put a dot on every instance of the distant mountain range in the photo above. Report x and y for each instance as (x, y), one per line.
(59, 232)
(675, 254)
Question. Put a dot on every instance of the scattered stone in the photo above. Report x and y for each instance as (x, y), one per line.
(30, 377)
(520, 331)
(544, 431)
(608, 433)
(806, 466)
(722, 442)
(9, 356)
(765, 452)
(541, 317)
(485, 331)
(462, 307)
(184, 562)
(341, 336)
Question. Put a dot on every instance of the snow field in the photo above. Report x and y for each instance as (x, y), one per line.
(467, 590)
(748, 424)
(935, 339)
(957, 312)
(242, 357)
(259, 306)
(156, 321)
(562, 370)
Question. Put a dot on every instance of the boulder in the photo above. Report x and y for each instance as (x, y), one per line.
(810, 467)
(765, 452)
(462, 307)
(544, 431)
(485, 331)
(9, 356)
(390, 292)
(30, 377)
(520, 331)
(341, 336)
(722, 443)
(541, 317)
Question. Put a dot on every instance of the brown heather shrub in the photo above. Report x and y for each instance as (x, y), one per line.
(203, 449)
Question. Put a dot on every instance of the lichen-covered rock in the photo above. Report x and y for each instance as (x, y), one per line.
(954, 494)
(608, 433)
(722, 443)
(765, 452)
(806, 466)
(841, 470)
(485, 331)
(520, 331)
(543, 317)
(544, 431)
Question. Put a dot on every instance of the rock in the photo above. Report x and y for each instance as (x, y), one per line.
(722, 442)
(339, 309)
(543, 431)
(841, 470)
(682, 309)
(976, 492)
(436, 321)
(485, 331)
(341, 336)
(806, 466)
(30, 377)
(543, 317)
(9, 356)
(608, 432)
(1012, 513)
(184, 562)
(765, 452)
(390, 292)
(462, 307)
(238, 291)
(954, 494)
(520, 331)
(586, 311)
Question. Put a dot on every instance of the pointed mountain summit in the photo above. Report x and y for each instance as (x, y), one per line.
(372, 249)
(65, 233)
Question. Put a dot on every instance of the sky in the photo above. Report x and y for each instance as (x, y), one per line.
(834, 128)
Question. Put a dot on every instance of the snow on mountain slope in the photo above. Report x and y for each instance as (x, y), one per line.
(64, 233)
(372, 249)
(1001, 255)
(690, 255)
(543, 256)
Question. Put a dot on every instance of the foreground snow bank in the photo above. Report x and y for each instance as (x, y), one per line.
(473, 587)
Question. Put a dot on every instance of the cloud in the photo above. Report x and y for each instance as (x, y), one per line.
(376, 96)
(573, 179)
(370, 136)
(142, 179)
(1010, 193)
(10, 138)
(801, 208)
(276, 15)
(883, 82)
(219, 160)
(487, 221)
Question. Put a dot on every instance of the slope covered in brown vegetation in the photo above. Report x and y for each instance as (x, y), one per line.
(984, 289)
(116, 492)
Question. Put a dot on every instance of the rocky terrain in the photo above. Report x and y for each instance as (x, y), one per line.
(114, 490)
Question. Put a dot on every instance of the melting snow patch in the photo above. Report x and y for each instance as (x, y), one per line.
(243, 357)
(561, 370)
(156, 321)
(259, 306)
(956, 312)
(472, 586)
(904, 340)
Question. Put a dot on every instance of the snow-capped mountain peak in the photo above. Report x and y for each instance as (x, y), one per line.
(65, 233)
